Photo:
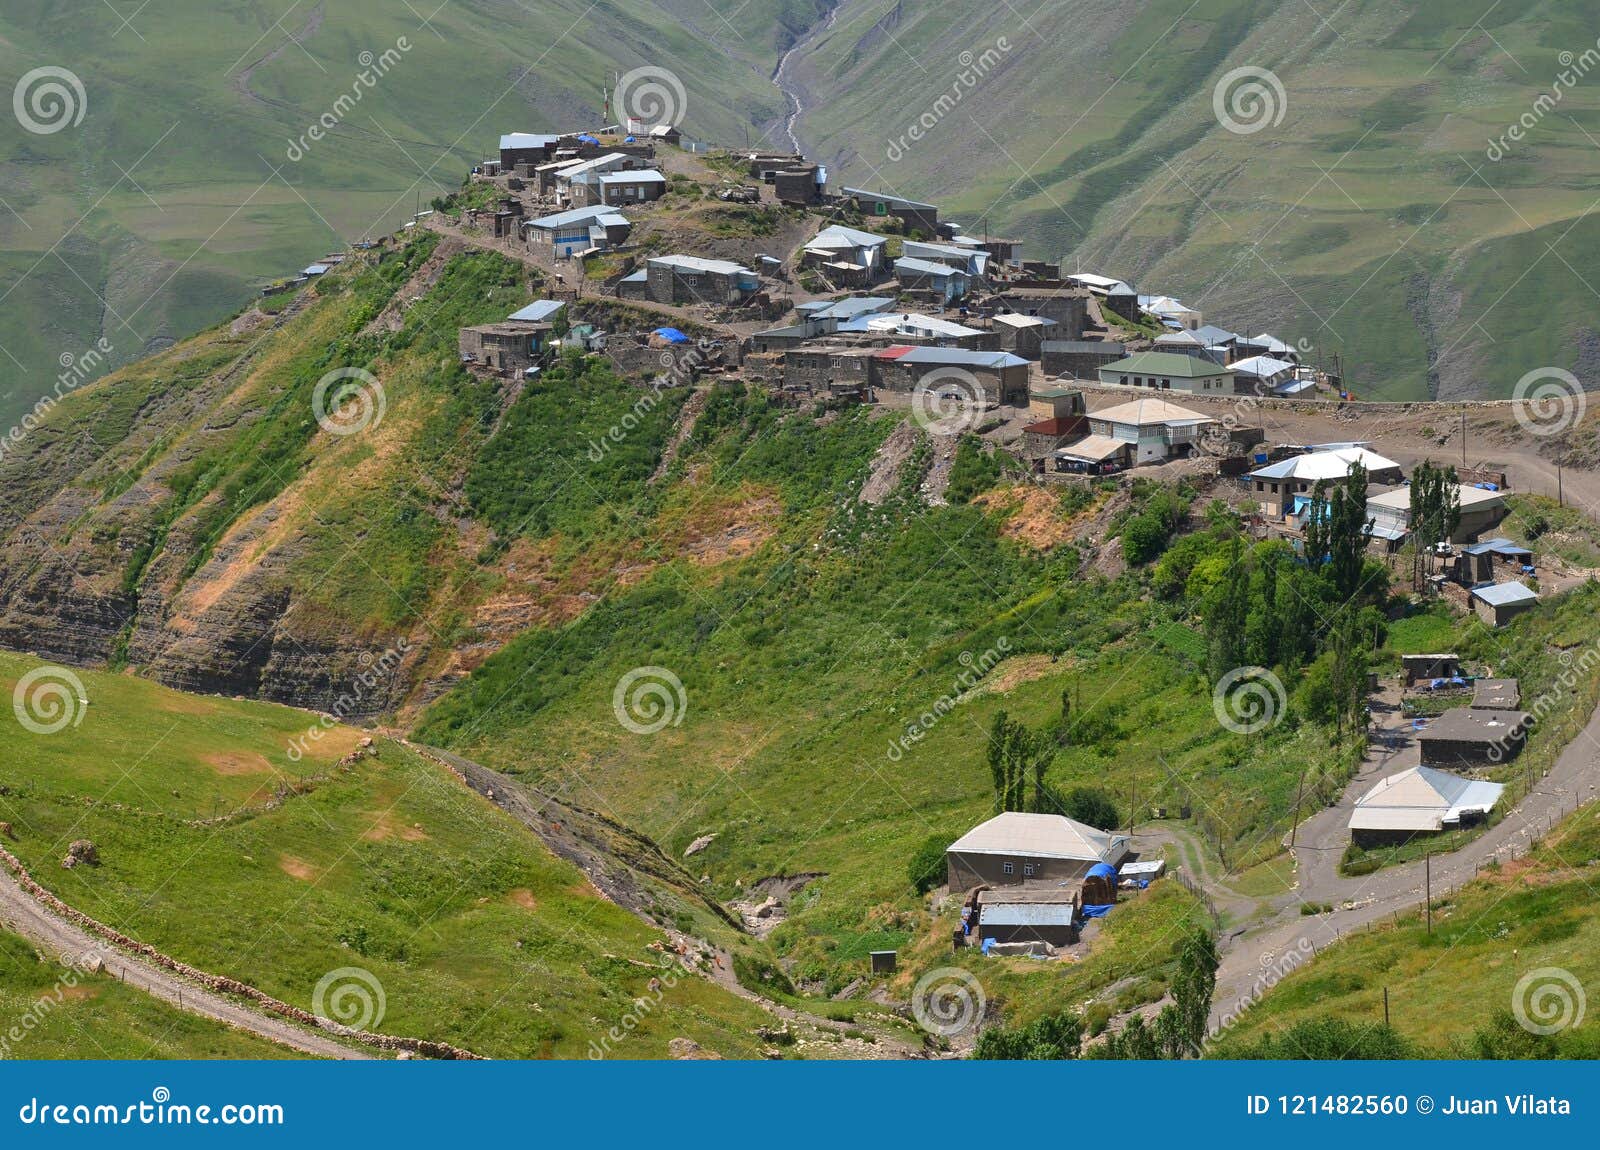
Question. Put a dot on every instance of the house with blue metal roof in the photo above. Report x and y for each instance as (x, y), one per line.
(539, 311)
(943, 281)
(579, 229)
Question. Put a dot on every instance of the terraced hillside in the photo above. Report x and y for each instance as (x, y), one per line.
(1368, 201)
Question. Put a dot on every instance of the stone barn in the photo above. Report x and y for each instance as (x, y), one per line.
(1018, 849)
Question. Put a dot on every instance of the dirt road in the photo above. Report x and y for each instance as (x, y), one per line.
(20, 913)
(1256, 957)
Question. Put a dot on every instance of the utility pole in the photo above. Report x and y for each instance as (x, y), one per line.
(1561, 496)
(1427, 870)
(1463, 437)
(1386, 1006)
(1294, 827)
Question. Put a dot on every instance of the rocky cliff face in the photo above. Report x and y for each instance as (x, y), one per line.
(104, 561)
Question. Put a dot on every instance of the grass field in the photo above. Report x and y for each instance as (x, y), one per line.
(58, 1012)
(477, 934)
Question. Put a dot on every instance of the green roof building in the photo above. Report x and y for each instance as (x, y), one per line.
(1168, 371)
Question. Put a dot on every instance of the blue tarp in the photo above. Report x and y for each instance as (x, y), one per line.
(1097, 911)
(671, 335)
(1102, 870)
(588, 139)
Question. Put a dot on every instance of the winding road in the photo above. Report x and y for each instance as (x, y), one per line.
(1255, 957)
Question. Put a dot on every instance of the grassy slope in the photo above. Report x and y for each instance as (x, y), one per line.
(1125, 166)
(77, 1015)
(478, 935)
(804, 663)
(205, 220)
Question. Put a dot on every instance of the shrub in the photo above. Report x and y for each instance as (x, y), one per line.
(927, 868)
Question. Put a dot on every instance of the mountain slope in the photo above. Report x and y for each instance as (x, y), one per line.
(191, 180)
(1365, 209)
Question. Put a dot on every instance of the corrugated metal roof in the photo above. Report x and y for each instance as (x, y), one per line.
(538, 311)
(1496, 547)
(1146, 412)
(1013, 319)
(701, 264)
(1041, 836)
(924, 267)
(961, 357)
(1025, 914)
(1165, 363)
(899, 201)
(634, 176)
(1505, 594)
(838, 236)
(1335, 464)
(574, 216)
(1422, 799)
(1093, 448)
(526, 140)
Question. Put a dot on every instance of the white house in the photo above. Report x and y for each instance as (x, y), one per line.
(1422, 800)
(839, 244)
(1286, 487)
(1145, 431)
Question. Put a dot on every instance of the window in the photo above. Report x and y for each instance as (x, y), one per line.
(1028, 870)
(1008, 868)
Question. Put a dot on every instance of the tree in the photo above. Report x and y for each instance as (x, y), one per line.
(1093, 806)
(1192, 991)
(1227, 613)
(1329, 1039)
(1435, 513)
(1010, 755)
(1052, 1036)
(1349, 528)
(1180, 1028)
